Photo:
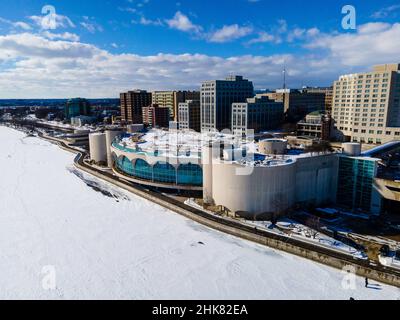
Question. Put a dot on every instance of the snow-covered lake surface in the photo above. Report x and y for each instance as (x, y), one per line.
(53, 226)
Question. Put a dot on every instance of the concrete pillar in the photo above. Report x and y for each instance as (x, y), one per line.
(207, 159)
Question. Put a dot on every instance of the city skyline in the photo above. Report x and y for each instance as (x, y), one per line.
(97, 52)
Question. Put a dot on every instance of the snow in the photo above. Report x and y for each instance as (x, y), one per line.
(114, 245)
(390, 261)
(295, 230)
(302, 232)
(187, 144)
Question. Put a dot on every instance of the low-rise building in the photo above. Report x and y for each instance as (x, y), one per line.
(317, 124)
(81, 121)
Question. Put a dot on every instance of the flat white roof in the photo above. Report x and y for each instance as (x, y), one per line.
(189, 144)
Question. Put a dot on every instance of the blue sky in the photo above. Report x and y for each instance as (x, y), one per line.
(176, 44)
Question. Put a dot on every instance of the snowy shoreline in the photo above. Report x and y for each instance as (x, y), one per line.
(125, 247)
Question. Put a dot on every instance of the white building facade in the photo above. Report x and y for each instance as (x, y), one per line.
(366, 106)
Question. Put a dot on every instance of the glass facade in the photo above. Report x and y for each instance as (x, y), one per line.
(355, 183)
(143, 170)
(186, 174)
(77, 107)
(190, 174)
(164, 172)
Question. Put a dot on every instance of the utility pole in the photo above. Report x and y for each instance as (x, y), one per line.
(284, 76)
(284, 86)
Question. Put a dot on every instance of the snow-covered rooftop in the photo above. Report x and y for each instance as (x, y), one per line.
(188, 144)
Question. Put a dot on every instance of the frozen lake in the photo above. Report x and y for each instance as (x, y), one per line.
(61, 239)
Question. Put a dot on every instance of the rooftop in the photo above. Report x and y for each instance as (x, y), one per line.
(187, 144)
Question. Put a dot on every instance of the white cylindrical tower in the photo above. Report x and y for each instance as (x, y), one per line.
(98, 147)
(273, 146)
(110, 136)
(352, 149)
(207, 164)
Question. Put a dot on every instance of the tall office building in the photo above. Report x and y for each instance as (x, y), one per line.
(257, 114)
(132, 104)
(77, 107)
(189, 115)
(366, 106)
(217, 97)
(171, 99)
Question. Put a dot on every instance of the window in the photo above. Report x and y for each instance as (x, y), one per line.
(190, 174)
(164, 172)
(125, 165)
(143, 170)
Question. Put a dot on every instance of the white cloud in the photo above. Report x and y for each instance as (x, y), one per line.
(372, 43)
(282, 26)
(22, 25)
(148, 22)
(373, 27)
(262, 38)
(26, 46)
(46, 68)
(230, 33)
(182, 22)
(385, 12)
(90, 25)
(62, 36)
(301, 34)
(16, 24)
(60, 21)
(38, 66)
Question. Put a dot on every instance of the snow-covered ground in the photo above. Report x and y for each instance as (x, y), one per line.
(56, 228)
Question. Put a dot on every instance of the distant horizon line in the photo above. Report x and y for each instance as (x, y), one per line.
(5, 99)
(266, 89)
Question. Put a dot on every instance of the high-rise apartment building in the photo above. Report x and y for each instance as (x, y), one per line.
(257, 114)
(366, 106)
(156, 116)
(217, 97)
(132, 104)
(189, 115)
(171, 99)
